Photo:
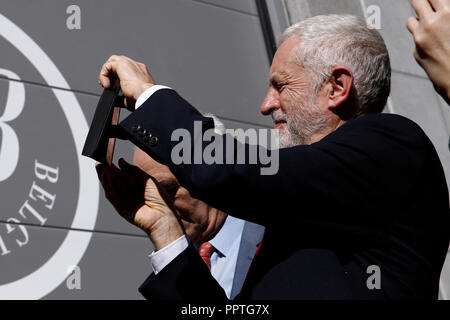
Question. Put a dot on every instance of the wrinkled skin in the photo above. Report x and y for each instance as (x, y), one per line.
(200, 220)
(139, 199)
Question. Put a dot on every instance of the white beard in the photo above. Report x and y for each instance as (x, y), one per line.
(304, 121)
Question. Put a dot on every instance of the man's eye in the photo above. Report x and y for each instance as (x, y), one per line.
(277, 85)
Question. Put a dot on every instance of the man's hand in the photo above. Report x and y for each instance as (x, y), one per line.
(137, 198)
(134, 77)
(431, 31)
(200, 221)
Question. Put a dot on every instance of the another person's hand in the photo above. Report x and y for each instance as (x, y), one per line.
(134, 77)
(200, 221)
(137, 198)
(431, 31)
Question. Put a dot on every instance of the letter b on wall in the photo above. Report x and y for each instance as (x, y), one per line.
(9, 143)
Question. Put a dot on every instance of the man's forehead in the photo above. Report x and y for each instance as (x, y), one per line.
(284, 60)
(287, 49)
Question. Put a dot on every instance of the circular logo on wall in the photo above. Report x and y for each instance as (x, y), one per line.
(44, 180)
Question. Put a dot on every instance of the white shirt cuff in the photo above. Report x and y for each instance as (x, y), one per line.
(147, 94)
(163, 257)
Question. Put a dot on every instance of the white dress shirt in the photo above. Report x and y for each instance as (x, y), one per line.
(223, 260)
(147, 94)
(226, 242)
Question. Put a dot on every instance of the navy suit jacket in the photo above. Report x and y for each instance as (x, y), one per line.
(371, 193)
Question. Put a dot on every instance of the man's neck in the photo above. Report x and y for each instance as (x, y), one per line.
(316, 137)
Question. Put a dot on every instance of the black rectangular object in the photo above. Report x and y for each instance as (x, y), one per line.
(99, 144)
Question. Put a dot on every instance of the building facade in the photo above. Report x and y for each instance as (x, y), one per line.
(59, 237)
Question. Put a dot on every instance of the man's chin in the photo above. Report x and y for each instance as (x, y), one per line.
(288, 141)
(285, 140)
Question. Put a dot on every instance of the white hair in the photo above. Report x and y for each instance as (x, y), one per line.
(219, 127)
(330, 40)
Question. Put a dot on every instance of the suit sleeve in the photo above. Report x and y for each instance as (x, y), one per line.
(348, 184)
(185, 278)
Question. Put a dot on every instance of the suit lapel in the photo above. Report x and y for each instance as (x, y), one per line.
(251, 237)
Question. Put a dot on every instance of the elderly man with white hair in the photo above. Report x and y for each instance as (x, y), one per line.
(358, 209)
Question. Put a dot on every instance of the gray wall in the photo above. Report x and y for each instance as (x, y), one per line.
(211, 51)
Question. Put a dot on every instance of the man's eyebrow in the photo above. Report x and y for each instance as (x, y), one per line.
(275, 79)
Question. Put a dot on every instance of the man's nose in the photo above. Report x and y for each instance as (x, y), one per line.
(271, 102)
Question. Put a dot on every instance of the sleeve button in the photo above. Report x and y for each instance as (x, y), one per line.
(142, 132)
(148, 137)
(153, 141)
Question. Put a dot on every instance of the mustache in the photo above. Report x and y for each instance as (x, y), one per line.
(278, 115)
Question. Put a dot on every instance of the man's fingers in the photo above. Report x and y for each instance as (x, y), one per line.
(440, 5)
(109, 69)
(105, 172)
(113, 184)
(105, 73)
(419, 55)
(412, 24)
(423, 8)
(129, 169)
(105, 179)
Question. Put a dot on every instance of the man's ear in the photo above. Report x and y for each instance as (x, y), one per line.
(341, 88)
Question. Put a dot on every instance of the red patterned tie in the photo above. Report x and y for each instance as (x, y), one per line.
(205, 251)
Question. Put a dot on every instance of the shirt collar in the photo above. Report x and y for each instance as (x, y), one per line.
(230, 232)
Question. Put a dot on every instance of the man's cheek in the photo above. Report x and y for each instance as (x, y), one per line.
(291, 98)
